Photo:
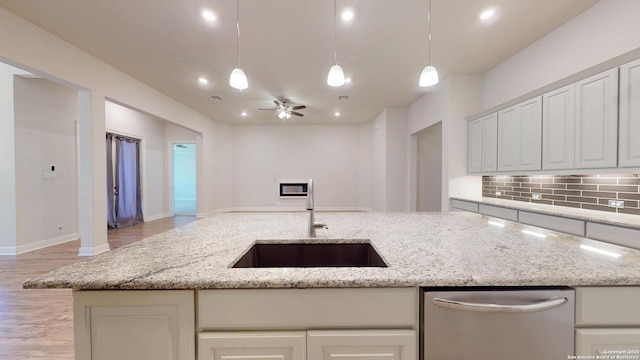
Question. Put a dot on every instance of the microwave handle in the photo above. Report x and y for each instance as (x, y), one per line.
(497, 308)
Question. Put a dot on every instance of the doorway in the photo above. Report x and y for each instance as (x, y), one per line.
(184, 179)
(429, 169)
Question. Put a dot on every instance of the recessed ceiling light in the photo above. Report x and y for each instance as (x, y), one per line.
(337, 113)
(208, 15)
(347, 80)
(487, 14)
(243, 114)
(203, 80)
(347, 15)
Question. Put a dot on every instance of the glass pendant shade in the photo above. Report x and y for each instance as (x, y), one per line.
(336, 76)
(238, 79)
(429, 76)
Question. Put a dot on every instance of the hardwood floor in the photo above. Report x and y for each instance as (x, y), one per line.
(38, 324)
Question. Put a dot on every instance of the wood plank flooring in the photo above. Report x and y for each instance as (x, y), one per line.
(38, 324)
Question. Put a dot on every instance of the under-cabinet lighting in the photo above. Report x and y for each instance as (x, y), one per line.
(529, 232)
(600, 251)
(495, 223)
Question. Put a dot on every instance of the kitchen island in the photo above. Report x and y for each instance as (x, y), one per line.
(192, 265)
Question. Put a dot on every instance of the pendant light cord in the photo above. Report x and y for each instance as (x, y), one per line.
(335, 34)
(429, 21)
(238, 33)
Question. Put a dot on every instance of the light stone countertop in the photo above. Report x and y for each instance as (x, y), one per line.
(421, 249)
(602, 217)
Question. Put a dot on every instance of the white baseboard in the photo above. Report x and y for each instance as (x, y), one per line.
(157, 217)
(21, 249)
(93, 250)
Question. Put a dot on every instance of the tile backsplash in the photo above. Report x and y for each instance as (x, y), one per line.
(577, 191)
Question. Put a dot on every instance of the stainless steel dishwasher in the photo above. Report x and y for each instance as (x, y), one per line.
(498, 323)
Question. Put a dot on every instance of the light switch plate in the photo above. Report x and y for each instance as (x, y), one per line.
(616, 204)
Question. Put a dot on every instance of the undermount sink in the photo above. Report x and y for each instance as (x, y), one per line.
(262, 255)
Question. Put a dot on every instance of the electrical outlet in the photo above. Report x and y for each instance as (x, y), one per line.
(498, 193)
(616, 204)
(536, 196)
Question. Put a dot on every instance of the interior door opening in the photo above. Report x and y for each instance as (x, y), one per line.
(184, 179)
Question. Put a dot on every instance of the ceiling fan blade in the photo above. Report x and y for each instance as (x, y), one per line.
(278, 103)
(296, 113)
(299, 107)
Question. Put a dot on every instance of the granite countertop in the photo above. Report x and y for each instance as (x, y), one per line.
(421, 249)
(602, 217)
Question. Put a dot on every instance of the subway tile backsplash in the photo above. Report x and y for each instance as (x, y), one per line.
(577, 191)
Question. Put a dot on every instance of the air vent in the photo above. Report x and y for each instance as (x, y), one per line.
(216, 97)
(343, 97)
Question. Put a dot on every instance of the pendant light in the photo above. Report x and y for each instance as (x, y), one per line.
(429, 75)
(238, 79)
(336, 75)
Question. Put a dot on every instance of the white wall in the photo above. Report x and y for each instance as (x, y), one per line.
(8, 236)
(378, 194)
(397, 152)
(264, 155)
(429, 168)
(45, 136)
(604, 31)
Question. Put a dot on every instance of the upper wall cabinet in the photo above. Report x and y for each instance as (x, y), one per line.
(558, 125)
(520, 136)
(630, 115)
(482, 144)
(597, 121)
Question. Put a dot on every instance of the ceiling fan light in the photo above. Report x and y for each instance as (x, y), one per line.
(429, 76)
(238, 80)
(336, 76)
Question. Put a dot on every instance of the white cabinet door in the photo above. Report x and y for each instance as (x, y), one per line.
(267, 345)
(624, 342)
(482, 144)
(597, 121)
(558, 124)
(490, 143)
(133, 325)
(630, 114)
(474, 148)
(520, 136)
(362, 345)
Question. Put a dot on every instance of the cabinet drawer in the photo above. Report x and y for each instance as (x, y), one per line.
(570, 226)
(464, 205)
(499, 212)
(263, 345)
(608, 306)
(614, 234)
(260, 309)
(607, 341)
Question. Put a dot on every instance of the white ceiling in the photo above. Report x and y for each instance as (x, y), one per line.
(286, 47)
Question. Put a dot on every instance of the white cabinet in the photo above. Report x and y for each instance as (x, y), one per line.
(608, 320)
(597, 121)
(619, 341)
(133, 325)
(482, 144)
(629, 145)
(558, 128)
(309, 345)
(520, 136)
(361, 345)
(267, 345)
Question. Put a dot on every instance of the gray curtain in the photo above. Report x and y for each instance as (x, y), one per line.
(128, 204)
(111, 210)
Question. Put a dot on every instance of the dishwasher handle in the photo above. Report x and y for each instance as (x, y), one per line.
(498, 308)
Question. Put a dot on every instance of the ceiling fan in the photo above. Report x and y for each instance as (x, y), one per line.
(284, 110)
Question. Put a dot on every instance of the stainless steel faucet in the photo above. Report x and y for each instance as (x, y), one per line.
(313, 225)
